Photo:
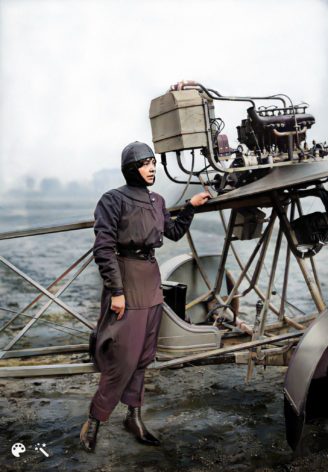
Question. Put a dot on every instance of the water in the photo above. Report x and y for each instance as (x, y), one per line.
(207, 417)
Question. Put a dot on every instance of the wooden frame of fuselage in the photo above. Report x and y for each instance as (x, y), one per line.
(260, 343)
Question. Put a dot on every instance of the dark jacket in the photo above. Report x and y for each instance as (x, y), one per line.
(132, 217)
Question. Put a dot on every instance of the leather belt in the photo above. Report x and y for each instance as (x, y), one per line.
(142, 254)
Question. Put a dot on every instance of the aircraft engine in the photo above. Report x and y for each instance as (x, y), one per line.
(266, 129)
(183, 120)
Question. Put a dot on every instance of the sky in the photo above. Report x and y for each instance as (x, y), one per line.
(77, 76)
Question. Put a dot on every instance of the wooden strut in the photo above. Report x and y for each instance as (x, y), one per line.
(264, 311)
(286, 272)
(258, 291)
(241, 265)
(223, 260)
(44, 351)
(238, 260)
(80, 368)
(290, 236)
(242, 325)
(51, 286)
(261, 241)
(48, 370)
(265, 308)
(244, 273)
(199, 299)
(281, 315)
(47, 293)
(260, 262)
(226, 350)
(46, 230)
(198, 261)
(45, 307)
(252, 280)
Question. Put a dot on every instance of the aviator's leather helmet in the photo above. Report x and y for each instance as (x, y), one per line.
(135, 152)
(132, 155)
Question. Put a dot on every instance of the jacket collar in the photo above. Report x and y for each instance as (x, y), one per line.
(140, 194)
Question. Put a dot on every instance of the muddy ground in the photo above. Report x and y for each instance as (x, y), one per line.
(207, 418)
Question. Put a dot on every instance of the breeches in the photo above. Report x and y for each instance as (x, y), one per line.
(129, 348)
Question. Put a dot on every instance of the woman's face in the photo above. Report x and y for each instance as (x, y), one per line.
(147, 170)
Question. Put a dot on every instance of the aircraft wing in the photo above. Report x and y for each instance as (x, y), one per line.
(258, 193)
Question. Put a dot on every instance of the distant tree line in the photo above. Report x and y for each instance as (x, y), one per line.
(100, 182)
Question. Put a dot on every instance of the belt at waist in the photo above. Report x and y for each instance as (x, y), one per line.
(143, 254)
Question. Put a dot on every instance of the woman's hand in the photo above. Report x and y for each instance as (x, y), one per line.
(199, 199)
(118, 305)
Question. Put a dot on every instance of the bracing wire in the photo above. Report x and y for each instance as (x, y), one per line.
(56, 326)
(189, 179)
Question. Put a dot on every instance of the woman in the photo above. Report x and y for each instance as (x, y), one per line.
(130, 223)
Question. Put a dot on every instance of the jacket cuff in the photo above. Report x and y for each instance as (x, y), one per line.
(117, 291)
(189, 208)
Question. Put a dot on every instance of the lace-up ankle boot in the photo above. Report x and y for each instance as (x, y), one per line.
(88, 434)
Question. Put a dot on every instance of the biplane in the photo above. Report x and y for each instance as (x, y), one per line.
(261, 184)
